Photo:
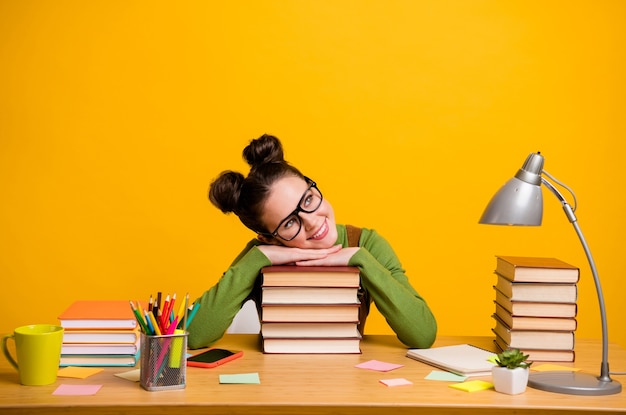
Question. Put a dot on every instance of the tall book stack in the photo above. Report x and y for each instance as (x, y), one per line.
(535, 307)
(99, 333)
(310, 309)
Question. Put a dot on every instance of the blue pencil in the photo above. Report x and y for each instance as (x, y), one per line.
(196, 306)
(149, 323)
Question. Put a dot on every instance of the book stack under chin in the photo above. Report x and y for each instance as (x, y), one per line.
(535, 307)
(99, 333)
(310, 309)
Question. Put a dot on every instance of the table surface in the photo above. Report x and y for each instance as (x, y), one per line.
(312, 384)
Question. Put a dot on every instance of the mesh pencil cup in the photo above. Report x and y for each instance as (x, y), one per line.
(163, 362)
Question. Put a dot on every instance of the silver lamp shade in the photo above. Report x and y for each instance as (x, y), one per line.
(520, 201)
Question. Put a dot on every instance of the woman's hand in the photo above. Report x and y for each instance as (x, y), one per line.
(280, 255)
(339, 258)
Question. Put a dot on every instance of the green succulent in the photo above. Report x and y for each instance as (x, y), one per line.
(512, 358)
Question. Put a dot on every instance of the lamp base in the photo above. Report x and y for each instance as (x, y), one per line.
(573, 383)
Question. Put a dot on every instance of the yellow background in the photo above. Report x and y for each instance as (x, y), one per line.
(116, 115)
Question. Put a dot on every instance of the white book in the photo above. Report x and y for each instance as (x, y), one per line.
(462, 359)
(312, 346)
(99, 349)
(309, 330)
(310, 295)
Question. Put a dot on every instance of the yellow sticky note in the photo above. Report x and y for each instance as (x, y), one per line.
(550, 367)
(78, 372)
(472, 385)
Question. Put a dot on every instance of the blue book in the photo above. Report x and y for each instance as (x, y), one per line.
(99, 360)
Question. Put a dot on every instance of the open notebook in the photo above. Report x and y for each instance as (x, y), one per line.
(462, 359)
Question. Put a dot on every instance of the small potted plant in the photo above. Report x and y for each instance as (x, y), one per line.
(510, 376)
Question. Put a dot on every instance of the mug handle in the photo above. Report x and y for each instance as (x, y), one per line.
(5, 350)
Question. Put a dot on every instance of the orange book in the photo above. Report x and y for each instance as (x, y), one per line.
(98, 314)
(536, 269)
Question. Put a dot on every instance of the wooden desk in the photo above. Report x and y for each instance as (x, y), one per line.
(311, 384)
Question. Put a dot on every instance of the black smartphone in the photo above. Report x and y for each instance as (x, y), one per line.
(213, 358)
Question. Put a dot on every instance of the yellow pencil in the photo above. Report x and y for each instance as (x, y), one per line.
(155, 324)
(140, 308)
(181, 308)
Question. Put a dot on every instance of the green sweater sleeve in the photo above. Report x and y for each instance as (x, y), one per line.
(220, 304)
(384, 278)
(382, 275)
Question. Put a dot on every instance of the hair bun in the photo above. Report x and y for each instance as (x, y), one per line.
(225, 190)
(263, 150)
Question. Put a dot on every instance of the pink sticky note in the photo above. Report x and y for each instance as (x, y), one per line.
(76, 390)
(379, 366)
(395, 382)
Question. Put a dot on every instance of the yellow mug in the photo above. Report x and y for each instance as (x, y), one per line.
(38, 349)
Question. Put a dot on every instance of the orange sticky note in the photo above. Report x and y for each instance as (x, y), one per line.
(78, 372)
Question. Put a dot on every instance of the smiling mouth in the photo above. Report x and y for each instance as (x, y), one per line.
(321, 232)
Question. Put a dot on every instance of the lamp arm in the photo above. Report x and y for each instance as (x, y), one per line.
(569, 212)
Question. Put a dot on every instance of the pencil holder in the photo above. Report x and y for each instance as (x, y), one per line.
(163, 361)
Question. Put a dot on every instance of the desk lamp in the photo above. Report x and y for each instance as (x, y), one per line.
(519, 202)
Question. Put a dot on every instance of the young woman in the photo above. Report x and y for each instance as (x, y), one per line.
(295, 224)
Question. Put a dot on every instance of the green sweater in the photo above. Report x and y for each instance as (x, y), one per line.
(382, 276)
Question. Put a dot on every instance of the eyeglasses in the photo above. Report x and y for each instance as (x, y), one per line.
(290, 227)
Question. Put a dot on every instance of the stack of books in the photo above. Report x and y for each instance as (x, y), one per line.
(99, 333)
(535, 307)
(310, 309)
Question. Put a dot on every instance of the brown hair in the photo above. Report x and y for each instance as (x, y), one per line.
(245, 196)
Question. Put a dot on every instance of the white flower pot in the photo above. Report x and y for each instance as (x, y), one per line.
(509, 381)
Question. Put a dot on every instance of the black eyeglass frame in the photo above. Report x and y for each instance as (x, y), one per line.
(296, 211)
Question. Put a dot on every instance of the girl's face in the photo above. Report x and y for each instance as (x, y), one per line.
(318, 228)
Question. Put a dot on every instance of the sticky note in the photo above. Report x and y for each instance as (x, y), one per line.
(472, 385)
(445, 376)
(377, 365)
(76, 390)
(132, 375)
(176, 350)
(549, 367)
(395, 382)
(78, 372)
(240, 378)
